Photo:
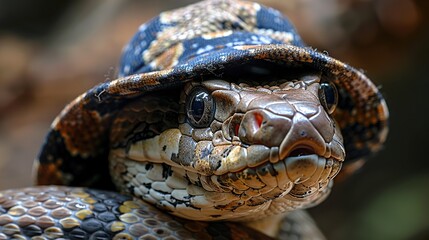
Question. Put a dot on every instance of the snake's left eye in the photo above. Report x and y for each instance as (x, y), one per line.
(328, 96)
(200, 108)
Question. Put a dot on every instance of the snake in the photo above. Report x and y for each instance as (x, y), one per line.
(222, 124)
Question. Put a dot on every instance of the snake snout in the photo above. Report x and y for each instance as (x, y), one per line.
(263, 127)
(302, 137)
(294, 136)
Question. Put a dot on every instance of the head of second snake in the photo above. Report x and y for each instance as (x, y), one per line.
(230, 150)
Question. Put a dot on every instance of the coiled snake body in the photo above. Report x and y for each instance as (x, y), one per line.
(220, 113)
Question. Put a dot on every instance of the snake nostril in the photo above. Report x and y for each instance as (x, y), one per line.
(259, 119)
(300, 151)
(236, 129)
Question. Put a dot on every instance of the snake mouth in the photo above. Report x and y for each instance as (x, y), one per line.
(301, 151)
(301, 173)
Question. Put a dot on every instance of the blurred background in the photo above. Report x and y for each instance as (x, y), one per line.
(51, 51)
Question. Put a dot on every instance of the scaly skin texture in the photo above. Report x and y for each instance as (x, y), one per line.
(220, 112)
(270, 148)
(79, 213)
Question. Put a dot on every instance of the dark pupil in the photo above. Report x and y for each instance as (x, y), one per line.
(197, 106)
(329, 93)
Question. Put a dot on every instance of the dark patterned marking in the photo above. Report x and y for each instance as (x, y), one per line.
(148, 166)
(106, 216)
(91, 225)
(166, 171)
(99, 207)
(32, 230)
(78, 234)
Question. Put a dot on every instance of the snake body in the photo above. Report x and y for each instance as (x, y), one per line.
(220, 113)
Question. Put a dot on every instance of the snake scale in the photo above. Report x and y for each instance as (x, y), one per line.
(220, 112)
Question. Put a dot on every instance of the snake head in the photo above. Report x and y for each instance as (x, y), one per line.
(238, 146)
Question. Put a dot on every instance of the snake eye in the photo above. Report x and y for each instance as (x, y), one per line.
(328, 96)
(200, 108)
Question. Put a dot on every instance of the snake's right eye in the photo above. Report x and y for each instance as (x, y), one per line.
(200, 108)
(328, 96)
